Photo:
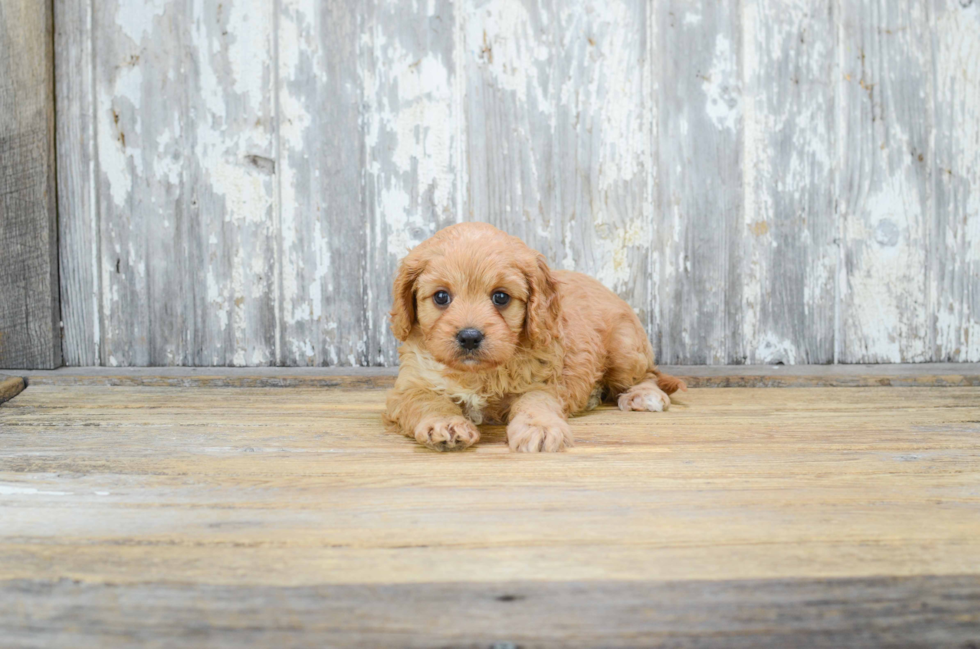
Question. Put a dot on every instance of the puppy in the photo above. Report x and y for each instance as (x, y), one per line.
(492, 335)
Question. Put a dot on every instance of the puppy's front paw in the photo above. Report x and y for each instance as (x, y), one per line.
(448, 434)
(645, 396)
(530, 434)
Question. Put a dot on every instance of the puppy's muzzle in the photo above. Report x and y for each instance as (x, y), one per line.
(469, 339)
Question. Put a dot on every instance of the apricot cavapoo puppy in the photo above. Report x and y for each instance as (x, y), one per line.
(492, 335)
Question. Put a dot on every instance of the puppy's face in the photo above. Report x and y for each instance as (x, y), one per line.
(475, 294)
(471, 311)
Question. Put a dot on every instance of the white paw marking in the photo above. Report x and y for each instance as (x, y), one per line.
(655, 402)
(644, 397)
(543, 434)
(447, 434)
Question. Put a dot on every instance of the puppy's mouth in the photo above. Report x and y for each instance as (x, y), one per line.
(473, 360)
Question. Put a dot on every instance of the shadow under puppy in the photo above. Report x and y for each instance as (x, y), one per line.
(492, 335)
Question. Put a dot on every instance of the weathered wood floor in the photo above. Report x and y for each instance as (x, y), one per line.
(230, 517)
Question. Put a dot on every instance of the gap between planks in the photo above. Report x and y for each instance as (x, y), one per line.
(361, 378)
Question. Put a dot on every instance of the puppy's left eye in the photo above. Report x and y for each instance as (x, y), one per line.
(500, 298)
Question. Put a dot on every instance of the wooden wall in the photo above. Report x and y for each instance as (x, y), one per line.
(766, 181)
(29, 316)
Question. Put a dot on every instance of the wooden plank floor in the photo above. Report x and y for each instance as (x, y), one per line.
(288, 517)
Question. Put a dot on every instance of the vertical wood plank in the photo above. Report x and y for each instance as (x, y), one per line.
(559, 121)
(185, 122)
(955, 252)
(408, 76)
(78, 218)
(30, 335)
(603, 211)
(885, 192)
(789, 227)
(700, 183)
(324, 244)
(511, 98)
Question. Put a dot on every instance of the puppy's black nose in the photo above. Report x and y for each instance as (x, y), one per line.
(469, 339)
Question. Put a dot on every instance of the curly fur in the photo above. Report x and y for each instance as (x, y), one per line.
(563, 339)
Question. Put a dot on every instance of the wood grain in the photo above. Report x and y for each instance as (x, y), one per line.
(30, 336)
(78, 222)
(185, 121)
(701, 116)
(955, 246)
(409, 76)
(560, 113)
(789, 227)
(201, 485)
(10, 387)
(143, 514)
(323, 234)
(870, 612)
(885, 196)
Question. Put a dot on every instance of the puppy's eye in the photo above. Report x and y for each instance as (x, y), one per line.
(500, 298)
(442, 298)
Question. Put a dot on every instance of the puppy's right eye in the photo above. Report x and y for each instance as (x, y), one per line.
(442, 298)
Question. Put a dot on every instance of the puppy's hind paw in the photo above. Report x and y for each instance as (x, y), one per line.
(646, 397)
(448, 434)
(527, 434)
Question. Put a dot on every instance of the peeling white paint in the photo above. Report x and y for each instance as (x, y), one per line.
(773, 350)
(692, 18)
(135, 19)
(956, 297)
(119, 155)
(615, 272)
(722, 87)
(503, 37)
(248, 50)
(421, 125)
(883, 290)
(755, 171)
(568, 261)
(615, 82)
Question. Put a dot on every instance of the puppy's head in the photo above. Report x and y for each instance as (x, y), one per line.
(475, 294)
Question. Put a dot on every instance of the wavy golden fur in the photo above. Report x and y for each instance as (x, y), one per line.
(558, 345)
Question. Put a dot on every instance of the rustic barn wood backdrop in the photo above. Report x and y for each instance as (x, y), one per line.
(28, 211)
(765, 181)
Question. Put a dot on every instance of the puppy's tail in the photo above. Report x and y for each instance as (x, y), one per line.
(669, 384)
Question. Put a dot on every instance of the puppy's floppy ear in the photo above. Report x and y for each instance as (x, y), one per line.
(541, 322)
(403, 293)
